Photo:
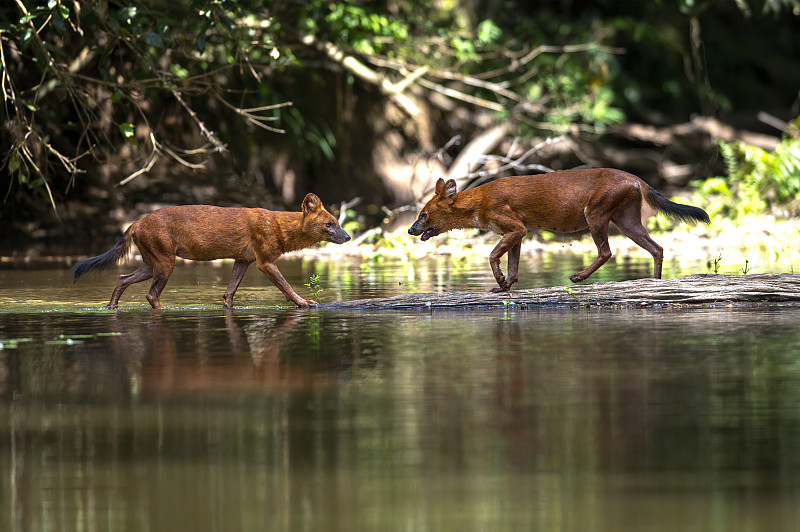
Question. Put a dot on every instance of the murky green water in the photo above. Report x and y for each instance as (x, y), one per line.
(264, 418)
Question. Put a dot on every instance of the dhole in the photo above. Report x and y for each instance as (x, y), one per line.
(563, 202)
(203, 232)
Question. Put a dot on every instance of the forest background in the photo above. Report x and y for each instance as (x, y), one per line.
(111, 109)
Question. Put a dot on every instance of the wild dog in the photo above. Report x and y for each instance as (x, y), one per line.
(205, 232)
(562, 202)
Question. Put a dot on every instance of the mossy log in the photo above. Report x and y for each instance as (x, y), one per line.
(690, 291)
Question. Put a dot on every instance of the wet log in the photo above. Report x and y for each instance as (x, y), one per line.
(689, 291)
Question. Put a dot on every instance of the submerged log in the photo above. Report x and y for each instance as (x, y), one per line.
(690, 291)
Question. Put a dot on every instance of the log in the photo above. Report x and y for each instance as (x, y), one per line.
(701, 290)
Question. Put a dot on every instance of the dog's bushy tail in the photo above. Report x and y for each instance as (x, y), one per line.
(684, 213)
(106, 260)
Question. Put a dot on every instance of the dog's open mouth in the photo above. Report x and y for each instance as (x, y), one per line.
(429, 232)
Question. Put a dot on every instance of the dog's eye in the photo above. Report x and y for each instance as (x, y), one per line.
(328, 224)
(423, 215)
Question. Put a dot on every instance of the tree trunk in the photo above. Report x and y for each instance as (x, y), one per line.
(690, 291)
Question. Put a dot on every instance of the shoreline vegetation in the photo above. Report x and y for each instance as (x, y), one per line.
(744, 227)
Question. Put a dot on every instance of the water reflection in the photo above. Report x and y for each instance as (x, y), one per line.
(287, 420)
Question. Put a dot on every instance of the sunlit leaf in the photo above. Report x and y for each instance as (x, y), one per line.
(26, 36)
(127, 14)
(488, 32)
(179, 71)
(127, 131)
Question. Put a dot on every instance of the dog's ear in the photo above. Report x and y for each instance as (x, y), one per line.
(439, 186)
(449, 189)
(311, 203)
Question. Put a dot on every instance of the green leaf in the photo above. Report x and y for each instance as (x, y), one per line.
(128, 133)
(116, 96)
(14, 162)
(154, 39)
(488, 32)
(26, 36)
(63, 11)
(59, 24)
(179, 71)
(127, 14)
(126, 130)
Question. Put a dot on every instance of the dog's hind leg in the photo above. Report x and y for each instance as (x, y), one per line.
(143, 273)
(629, 221)
(598, 227)
(239, 269)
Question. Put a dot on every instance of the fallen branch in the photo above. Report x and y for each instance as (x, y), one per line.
(690, 291)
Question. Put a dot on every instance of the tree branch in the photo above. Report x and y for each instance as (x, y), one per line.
(251, 115)
(359, 69)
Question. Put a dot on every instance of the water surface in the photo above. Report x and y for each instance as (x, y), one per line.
(265, 418)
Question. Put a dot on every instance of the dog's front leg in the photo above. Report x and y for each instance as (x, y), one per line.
(510, 241)
(273, 274)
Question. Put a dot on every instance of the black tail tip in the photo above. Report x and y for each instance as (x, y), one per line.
(79, 269)
(702, 216)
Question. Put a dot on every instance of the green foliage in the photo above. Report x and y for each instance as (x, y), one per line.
(488, 32)
(353, 223)
(360, 28)
(758, 181)
(714, 264)
(313, 285)
(131, 84)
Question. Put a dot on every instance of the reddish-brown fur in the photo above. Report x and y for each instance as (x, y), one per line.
(204, 232)
(563, 202)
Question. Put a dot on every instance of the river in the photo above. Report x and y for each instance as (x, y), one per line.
(266, 417)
